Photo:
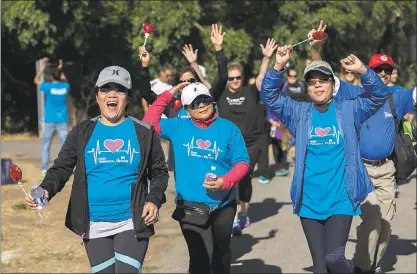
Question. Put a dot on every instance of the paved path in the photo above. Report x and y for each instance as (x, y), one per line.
(275, 242)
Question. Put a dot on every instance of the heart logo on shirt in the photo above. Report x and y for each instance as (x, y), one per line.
(113, 145)
(203, 144)
(322, 131)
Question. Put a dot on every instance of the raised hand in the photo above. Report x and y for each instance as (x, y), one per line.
(269, 48)
(60, 63)
(353, 63)
(217, 36)
(189, 54)
(144, 56)
(282, 56)
(322, 27)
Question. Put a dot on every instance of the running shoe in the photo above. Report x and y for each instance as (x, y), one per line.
(264, 180)
(244, 221)
(282, 172)
(236, 229)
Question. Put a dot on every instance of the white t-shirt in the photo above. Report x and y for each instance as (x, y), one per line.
(158, 86)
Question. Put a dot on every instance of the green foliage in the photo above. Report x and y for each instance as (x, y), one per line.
(95, 34)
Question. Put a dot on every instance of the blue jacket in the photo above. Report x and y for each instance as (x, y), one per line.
(297, 117)
(403, 98)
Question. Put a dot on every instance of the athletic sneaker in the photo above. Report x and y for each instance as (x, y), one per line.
(236, 229)
(264, 180)
(244, 221)
(282, 172)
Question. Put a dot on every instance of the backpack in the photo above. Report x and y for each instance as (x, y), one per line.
(404, 154)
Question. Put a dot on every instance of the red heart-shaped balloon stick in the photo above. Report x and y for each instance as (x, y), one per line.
(148, 28)
(15, 173)
(177, 104)
(319, 35)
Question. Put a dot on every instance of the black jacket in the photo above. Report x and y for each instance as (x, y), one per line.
(152, 166)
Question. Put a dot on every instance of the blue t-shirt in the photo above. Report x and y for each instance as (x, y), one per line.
(112, 158)
(377, 136)
(55, 101)
(324, 186)
(182, 112)
(198, 151)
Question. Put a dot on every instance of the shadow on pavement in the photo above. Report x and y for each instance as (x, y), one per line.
(262, 210)
(396, 247)
(241, 245)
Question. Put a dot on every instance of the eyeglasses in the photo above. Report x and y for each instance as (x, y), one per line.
(189, 80)
(292, 76)
(388, 71)
(120, 90)
(202, 100)
(235, 78)
(312, 82)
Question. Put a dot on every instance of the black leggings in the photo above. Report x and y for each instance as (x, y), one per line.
(120, 253)
(209, 247)
(327, 241)
(256, 152)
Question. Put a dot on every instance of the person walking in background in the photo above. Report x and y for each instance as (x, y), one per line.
(204, 145)
(349, 76)
(55, 93)
(189, 74)
(330, 180)
(160, 84)
(111, 206)
(281, 163)
(294, 88)
(241, 105)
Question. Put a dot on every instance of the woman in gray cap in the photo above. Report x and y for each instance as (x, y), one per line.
(114, 155)
(330, 180)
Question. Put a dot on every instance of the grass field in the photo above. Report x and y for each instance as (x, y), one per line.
(31, 244)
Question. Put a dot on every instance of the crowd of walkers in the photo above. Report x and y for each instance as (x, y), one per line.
(340, 134)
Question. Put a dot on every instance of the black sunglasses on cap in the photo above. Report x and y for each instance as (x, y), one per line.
(205, 100)
(189, 80)
(119, 89)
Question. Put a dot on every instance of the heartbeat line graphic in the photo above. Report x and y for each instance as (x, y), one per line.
(336, 134)
(190, 146)
(129, 151)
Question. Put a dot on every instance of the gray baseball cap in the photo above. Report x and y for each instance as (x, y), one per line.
(319, 65)
(114, 74)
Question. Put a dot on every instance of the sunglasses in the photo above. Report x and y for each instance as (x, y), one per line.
(234, 78)
(292, 76)
(189, 80)
(349, 72)
(119, 89)
(312, 82)
(202, 100)
(388, 71)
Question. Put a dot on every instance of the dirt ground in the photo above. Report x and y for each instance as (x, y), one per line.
(31, 244)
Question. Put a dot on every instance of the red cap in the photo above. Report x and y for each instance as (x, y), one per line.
(380, 59)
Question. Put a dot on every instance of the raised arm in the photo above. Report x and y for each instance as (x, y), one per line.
(62, 75)
(267, 52)
(191, 57)
(154, 113)
(316, 45)
(375, 94)
(144, 78)
(220, 83)
(37, 79)
(285, 109)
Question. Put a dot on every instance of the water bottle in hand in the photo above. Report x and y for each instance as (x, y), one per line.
(38, 196)
(273, 131)
(210, 176)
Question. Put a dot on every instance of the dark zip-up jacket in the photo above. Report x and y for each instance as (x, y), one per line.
(152, 167)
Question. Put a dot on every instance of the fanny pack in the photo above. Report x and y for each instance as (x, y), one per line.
(195, 213)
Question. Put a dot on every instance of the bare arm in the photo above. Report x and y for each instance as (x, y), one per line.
(267, 52)
(191, 57)
(316, 45)
(37, 79)
(62, 75)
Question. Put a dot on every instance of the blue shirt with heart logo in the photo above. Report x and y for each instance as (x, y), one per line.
(112, 158)
(198, 151)
(324, 186)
